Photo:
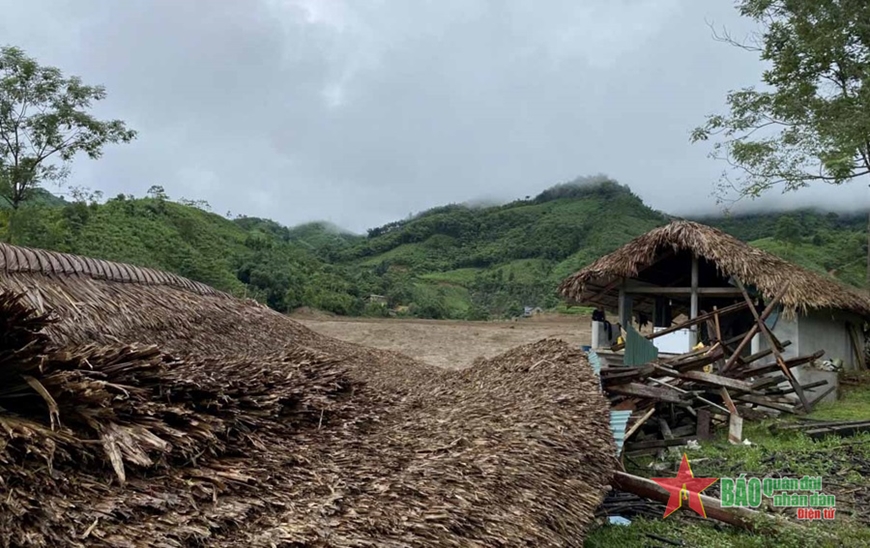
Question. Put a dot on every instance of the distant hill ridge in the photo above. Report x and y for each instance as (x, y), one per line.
(453, 261)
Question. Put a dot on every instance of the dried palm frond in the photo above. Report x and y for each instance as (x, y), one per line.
(185, 417)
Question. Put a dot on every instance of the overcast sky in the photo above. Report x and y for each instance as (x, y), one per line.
(360, 112)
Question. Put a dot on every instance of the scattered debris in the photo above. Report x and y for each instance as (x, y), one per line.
(692, 393)
(842, 428)
(238, 427)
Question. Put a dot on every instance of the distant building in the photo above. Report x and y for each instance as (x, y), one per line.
(530, 311)
(378, 299)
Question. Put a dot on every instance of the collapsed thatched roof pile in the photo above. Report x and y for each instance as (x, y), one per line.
(767, 272)
(135, 413)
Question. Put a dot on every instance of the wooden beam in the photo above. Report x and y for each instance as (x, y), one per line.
(715, 354)
(620, 375)
(716, 323)
(639, 422)
(763, 402)
(764, 353)
(693, 306)
(751, 333)
(782, 391)
(811, 424)
(688, 394)
(703, 317)
(761, 384)
(841, 430)
(821, 396)
(771, 367)
(716, 380)
(644, 391)
(735, 429)
(688, 356)
(738, 516)
(663, 290)
(726, 397)
(762, 327)
(607, 288)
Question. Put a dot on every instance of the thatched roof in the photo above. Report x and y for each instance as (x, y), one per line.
(23, 260)
(145, 410)
(732, 257)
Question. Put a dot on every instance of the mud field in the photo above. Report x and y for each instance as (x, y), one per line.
(447, 343)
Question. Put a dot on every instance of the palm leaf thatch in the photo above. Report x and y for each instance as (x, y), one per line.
(732, 257)
(139, 409)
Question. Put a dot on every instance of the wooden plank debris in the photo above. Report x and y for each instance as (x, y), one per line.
(771, 340)
(842, 430)
(769, 368)
(751, 333)
(687, 396)
(717, 380)
(704, 424)
(643, 390)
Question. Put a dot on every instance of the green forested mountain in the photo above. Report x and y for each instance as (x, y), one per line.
(468, 261)
(455, 261)
(823, 241)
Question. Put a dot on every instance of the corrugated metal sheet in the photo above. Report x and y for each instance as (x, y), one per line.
(594, 361)
(638, 349)
(618, 425)
(618, 419)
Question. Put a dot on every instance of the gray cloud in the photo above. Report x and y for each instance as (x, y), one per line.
(360, 112)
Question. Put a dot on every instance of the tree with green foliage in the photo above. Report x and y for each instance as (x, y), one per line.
(44, 123)
(812, 122)
(787, 230)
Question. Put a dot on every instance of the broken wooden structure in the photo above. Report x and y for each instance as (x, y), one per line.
(756, 329)
(674, 399)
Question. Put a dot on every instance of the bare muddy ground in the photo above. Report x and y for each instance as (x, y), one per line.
(447, 343)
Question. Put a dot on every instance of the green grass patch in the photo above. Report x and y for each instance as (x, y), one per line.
(705, 533)
(563, 308)
(853, 405)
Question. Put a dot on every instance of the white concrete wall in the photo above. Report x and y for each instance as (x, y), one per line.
(826, 330)
(599, 335)
(784, 330)
(817, 330)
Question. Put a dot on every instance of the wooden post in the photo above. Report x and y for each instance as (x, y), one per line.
(703, 429)
(719, 363)
(693, 311)
(735, 429)
(622, 306)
